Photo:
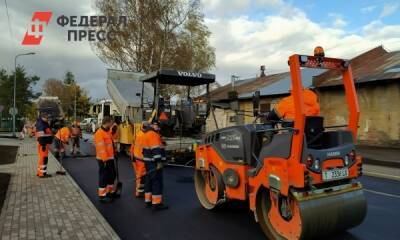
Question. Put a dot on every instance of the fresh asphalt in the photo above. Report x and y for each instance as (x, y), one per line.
(186, 219)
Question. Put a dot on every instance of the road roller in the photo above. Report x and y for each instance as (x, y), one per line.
(299, 177)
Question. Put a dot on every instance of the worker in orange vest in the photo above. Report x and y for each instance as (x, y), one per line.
(137, 160)
(44, 138)
(76, 135)
(61, 140)
(105, 158)
(285, 107)
(153, 155)
(115, 136)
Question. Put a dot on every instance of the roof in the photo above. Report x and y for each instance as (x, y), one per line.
(125, 89)
(222, 91)
(374, 65)
(269, 85)
(178, 77)
(282, 86)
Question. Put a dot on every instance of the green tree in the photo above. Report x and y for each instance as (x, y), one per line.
(69, 78)
(24, 91)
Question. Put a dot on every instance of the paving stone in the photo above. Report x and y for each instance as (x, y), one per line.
(51, 208)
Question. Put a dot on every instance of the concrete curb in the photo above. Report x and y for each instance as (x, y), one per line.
(384, 163)
(381, 175)
(89, 203)
(381, 172)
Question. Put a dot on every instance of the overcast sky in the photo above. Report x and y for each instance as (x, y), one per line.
(245, 33)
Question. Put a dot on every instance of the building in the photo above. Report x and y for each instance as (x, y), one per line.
(377, 77)
(239, 109)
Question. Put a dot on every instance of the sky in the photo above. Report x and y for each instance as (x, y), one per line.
(245, 34)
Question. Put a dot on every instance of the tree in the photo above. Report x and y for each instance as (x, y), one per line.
(24, 90)
(66, 93)
(157, 36)
(69, 78)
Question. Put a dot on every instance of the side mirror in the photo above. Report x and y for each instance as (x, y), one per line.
(256, 103)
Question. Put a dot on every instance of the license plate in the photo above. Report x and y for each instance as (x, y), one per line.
(334, 174)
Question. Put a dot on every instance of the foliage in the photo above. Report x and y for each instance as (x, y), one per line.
(24, 91)
(66, 91)
(159, 34)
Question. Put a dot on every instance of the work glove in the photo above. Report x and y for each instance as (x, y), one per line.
(160, 165)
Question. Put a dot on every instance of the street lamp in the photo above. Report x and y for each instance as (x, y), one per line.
(15, 87)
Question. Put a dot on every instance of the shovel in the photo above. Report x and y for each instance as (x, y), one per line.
(118, 189)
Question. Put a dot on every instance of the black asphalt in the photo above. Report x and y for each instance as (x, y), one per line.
(186, 219)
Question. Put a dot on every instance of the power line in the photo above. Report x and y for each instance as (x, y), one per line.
(9, 26)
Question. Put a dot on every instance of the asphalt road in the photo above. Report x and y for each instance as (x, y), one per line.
(186, 219)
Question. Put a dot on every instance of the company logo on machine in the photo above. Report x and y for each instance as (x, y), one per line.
(34, 34)
(189, 74)
(333, 154)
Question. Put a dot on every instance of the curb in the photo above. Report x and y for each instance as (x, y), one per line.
(384, 163)
(381, 175)
(89, 203)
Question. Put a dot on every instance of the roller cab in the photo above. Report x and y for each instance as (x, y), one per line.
(300, 179)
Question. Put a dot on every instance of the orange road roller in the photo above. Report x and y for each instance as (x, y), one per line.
(298, 176)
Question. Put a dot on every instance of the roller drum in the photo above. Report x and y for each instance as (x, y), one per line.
(331, 214)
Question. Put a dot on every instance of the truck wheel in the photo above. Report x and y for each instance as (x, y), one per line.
(209, 187)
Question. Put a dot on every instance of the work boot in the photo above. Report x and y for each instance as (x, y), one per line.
(114, 195)
(45, 176)
(148, 204)
(160, 207)
(105, 199)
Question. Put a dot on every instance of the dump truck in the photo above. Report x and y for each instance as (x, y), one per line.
(299, 178)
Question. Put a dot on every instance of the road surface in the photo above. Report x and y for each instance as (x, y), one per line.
(186, 219)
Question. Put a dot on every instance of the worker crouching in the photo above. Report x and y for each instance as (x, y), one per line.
(105, 158)
(76, 135)
(61, 140)
(153, 155)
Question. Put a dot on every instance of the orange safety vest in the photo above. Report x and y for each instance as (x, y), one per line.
(286, 109)
(152, 146)
(104, 145)
(115, 135)
(137, 146)
(163, 116)
(63, 134)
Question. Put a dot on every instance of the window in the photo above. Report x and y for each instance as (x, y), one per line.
(265, 107)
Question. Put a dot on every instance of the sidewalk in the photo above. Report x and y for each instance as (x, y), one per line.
(388, 157)
(51, 208)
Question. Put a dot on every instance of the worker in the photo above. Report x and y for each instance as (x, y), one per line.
(137, 160)
(61, 140)
(153, 153)
(44, 137)
(115, 132)
(105, 158)
(76, 135)
(285, 108)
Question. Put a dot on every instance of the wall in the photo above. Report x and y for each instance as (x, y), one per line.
(247, 106)
(380, 112)
(222, 117)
